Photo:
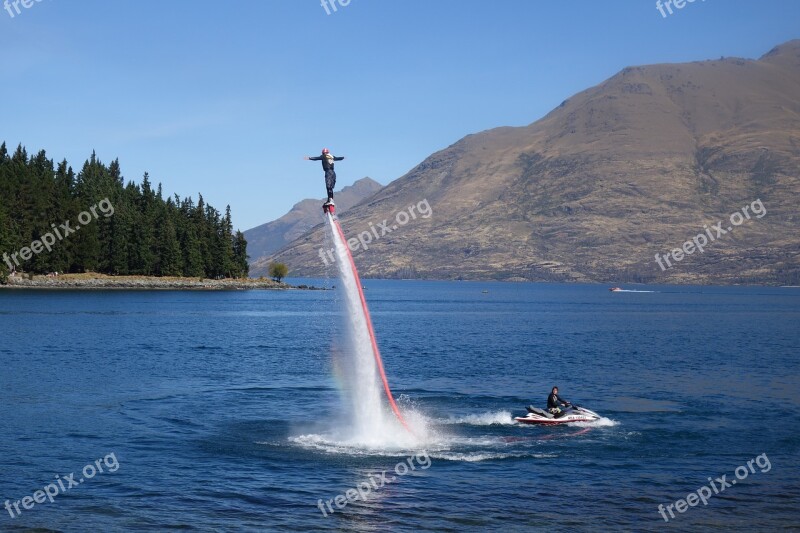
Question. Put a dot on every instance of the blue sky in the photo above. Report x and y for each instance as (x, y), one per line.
(226, 97)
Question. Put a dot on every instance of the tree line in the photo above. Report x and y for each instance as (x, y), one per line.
(146, 235)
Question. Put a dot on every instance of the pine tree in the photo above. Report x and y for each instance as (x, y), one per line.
(241, 268)
(169, 260)
(9, 201)
(89, 190)
(142, 256)
(227, 240)
(41, 176)
(5, 241)
(120, 234)
(64, 209)
(193, 265)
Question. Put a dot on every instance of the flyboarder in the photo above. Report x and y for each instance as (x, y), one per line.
(330, 174)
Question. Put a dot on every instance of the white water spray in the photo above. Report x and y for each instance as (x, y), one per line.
(372, 423)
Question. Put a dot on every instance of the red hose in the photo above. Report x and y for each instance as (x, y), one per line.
(375, 350)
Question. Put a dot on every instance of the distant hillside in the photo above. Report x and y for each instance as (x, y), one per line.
(591, 192)
(268, 238)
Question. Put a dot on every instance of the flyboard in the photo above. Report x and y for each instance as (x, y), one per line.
(330, 214)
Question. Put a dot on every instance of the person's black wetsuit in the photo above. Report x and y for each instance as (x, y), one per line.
(554, 401)
(330, 174)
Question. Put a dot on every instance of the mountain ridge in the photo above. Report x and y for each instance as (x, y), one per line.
(267, 238)
(631, 167)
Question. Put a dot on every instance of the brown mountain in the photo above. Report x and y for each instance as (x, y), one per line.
(268, 238)
(635, 166)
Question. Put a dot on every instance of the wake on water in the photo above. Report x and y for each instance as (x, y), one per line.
(370, 427)
(631, 290)
(496, 418)
(442, 442)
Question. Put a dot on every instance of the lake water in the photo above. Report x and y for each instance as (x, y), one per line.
(217, 411)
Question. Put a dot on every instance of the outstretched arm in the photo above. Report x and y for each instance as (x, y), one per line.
(338, 158)
(318, 158)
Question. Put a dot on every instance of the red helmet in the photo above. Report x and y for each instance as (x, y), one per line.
(325, 151)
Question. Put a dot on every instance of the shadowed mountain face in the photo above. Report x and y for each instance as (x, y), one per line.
(268, 238)
(593, 191)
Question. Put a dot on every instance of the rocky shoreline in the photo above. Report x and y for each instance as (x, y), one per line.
(142, 283)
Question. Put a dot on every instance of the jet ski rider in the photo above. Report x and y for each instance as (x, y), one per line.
(554, 401)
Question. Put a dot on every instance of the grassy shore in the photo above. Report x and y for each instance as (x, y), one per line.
(92, 280)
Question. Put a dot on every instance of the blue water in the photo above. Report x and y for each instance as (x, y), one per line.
(217, 407)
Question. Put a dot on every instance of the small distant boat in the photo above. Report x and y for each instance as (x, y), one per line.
(616, 289)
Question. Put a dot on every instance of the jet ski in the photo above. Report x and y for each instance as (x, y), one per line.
(569, 414)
